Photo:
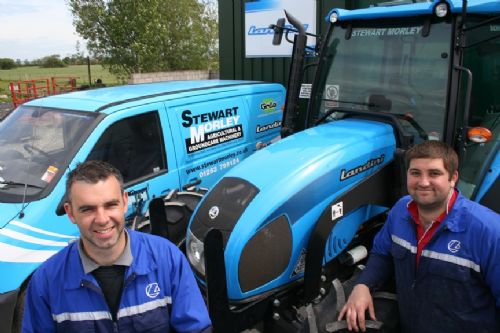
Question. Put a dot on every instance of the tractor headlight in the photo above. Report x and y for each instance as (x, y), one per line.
(441, 10)
(334, 17)
(195, 253)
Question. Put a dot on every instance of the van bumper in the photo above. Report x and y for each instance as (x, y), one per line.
(7, 306)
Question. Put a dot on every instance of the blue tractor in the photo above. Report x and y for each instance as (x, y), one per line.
(280, 236)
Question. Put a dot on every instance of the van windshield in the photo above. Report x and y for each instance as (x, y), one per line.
(35, 147)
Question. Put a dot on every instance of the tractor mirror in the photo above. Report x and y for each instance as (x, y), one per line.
(278, 31)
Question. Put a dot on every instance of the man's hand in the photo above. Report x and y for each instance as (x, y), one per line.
(355, 308)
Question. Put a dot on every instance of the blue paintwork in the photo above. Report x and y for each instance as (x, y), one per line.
(28, 241)
(91, 100)
(491, 176)
(423, 8)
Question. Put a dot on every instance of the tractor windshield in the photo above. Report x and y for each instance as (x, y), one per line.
(387, 66)
(35, 147)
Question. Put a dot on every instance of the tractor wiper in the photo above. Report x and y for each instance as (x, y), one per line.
(11, 183)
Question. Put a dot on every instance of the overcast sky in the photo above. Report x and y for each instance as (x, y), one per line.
(32, 29)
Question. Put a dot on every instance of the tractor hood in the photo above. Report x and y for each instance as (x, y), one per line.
(269, 203)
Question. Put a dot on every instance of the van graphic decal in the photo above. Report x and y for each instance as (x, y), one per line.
(267, 127)
(211, 128)
(268, 105)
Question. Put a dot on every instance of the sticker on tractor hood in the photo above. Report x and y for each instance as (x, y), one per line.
(345, 174)
(211, 128)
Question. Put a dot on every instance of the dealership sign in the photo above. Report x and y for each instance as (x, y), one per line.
(260, 14)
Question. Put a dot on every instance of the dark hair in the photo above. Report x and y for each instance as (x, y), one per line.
(434, 149)
(92, 172)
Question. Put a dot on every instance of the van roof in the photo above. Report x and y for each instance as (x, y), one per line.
(101, 99)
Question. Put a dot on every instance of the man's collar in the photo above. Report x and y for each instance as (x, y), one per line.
(454, 222)
(89, 265)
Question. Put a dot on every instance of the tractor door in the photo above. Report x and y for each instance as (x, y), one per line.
(480, 165)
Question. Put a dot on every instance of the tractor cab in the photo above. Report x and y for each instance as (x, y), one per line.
(438, 75)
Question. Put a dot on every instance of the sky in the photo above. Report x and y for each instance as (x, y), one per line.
(33, 29)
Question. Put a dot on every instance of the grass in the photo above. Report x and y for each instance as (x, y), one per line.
(32, 72)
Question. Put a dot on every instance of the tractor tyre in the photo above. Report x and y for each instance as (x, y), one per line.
(385, 304)
(169, 217)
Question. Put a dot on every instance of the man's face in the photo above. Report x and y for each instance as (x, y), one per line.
(99, 212)
(429, 183)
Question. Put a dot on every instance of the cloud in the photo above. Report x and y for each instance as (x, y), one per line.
(33, 29)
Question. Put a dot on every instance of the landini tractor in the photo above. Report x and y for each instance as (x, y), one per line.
(279, 239)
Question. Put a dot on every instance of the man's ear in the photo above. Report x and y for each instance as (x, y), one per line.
(125, 201)
(69, 212)
(454, 179)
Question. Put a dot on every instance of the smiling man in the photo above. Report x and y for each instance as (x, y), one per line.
(442, 249)
(112, 279)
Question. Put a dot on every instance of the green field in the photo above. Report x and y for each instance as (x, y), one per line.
(32, 72)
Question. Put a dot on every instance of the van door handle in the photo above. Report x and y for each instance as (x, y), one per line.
(193, 182)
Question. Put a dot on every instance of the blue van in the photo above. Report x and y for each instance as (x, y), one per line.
(161, 136)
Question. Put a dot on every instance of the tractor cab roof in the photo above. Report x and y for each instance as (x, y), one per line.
(414, 9)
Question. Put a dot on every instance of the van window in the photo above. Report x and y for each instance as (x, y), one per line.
(35, 145)
(133, 145)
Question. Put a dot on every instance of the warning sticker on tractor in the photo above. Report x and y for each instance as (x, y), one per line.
(305, 91)
(332, 95)
(337, 210)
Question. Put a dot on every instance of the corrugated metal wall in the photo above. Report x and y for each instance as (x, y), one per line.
(234, 65)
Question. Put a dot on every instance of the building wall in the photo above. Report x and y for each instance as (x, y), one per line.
(172, 76)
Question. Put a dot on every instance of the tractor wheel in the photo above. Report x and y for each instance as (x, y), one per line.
(321, 315)
(169, 216)
(385, 304)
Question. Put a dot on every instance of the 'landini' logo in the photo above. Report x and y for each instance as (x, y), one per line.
(362, 168)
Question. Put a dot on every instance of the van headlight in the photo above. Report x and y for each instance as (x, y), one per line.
(195, 253)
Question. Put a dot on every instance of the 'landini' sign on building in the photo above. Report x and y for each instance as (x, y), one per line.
(261, 13)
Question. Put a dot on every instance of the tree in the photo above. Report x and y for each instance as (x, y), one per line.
(7, 63)
(52, 61)
(148, 35)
